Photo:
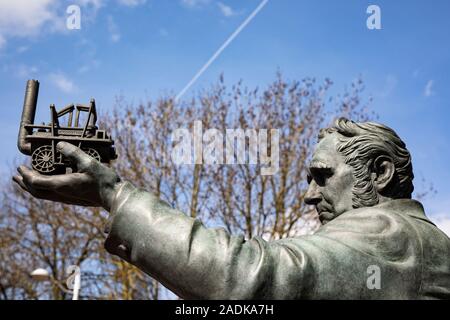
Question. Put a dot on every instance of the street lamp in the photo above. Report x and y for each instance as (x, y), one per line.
(42, 275)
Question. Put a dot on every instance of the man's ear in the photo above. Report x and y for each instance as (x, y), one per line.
(383, 172)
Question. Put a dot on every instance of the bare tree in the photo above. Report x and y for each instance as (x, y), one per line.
(42, 234)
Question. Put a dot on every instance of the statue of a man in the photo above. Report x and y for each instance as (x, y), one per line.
(375, 242)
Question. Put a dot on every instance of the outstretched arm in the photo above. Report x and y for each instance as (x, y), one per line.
(191, 260)
(201, 263)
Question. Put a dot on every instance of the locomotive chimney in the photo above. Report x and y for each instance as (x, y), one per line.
(28, 114)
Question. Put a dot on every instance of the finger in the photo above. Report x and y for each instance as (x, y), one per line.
(76, 155)
(36, 180)
(59, 183)
(61, 188)
(42, 194)
(19, 181)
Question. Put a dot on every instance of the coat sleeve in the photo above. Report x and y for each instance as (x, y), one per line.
(197, 262)
(202, 263)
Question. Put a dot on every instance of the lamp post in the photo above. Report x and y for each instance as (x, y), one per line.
(43, 275)
(40, 274)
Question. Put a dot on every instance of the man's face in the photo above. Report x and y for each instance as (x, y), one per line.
(330, 181)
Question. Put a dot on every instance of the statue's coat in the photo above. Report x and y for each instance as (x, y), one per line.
(200, 263)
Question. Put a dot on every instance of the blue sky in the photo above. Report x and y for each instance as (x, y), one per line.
(144, 49)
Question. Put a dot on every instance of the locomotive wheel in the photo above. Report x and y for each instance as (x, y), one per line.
(92, 153)
(42, 160)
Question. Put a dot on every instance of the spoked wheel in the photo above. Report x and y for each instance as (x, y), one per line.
(42, 160)
(92, 153)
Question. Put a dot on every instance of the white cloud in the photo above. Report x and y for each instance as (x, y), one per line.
(227, 11)
(62, 82)
(22, 49)
(2, 41)
(91, 65)
(113, 30)
(194, 3)
(389, 85)
(24, 71)
(30, 18)
(163, 32)
(20, 71)
(115, 37)
(27, 18)
(95, 4)
(428, 92)
(131, 3)
(84, 69)
(89, 9)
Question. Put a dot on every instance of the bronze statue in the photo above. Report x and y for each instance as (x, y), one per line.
(360, 181)
(40, 141)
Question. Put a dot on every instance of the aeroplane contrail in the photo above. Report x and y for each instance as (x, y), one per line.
(223, 47)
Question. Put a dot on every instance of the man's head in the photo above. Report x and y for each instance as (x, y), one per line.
(357, 165)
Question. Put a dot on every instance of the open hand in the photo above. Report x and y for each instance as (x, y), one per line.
(93, 185)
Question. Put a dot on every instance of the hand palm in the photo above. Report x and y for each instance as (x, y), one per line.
(92, 185)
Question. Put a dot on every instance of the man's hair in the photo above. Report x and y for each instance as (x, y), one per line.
(361, 144)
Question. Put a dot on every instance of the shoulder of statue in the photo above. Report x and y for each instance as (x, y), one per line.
(386, 218)
(378, 231)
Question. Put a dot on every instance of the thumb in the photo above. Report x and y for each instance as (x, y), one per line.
(75, 155)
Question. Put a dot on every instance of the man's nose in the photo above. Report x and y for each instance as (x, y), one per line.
(312, 196)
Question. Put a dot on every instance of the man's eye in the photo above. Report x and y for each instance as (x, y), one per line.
(321, 175)
(319, 179)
